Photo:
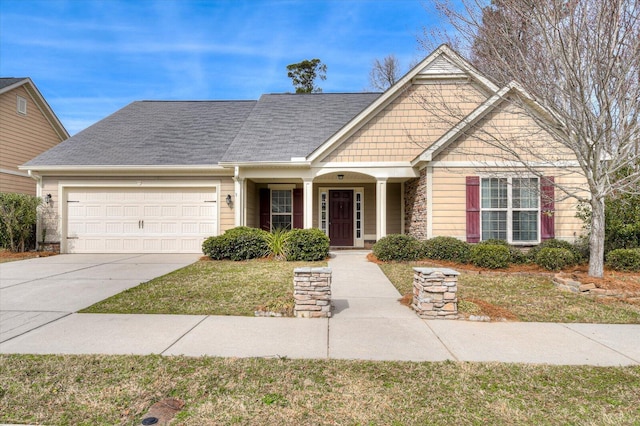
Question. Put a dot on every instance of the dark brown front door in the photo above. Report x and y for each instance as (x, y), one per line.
(341, 218)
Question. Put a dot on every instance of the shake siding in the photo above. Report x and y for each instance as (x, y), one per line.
(22, 137)
(509, 124)
(409, 124)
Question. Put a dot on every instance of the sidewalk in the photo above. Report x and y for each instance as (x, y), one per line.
(368, 323)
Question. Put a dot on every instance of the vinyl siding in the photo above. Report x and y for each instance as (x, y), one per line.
(22, 137)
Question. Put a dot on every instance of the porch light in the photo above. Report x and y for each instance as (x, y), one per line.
(340, 177)
(228, 200)
(47, 199)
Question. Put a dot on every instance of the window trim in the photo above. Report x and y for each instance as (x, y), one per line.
(272, 214)
(510, 209)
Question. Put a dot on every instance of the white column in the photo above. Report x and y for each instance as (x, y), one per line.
(381, 208)
(402, 208)
(238, 206)
(307, 194)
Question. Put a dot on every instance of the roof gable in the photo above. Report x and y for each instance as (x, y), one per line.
(8, 84)
(475, 116)
(442, 63)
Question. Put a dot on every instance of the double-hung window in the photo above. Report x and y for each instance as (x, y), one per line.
(281, 209)
(510, 209)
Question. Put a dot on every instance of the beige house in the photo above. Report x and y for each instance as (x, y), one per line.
(162, 176)
(28, 127)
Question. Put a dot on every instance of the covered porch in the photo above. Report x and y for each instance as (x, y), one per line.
(354, 209)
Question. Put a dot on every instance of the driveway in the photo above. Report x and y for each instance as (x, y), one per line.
(35, 292)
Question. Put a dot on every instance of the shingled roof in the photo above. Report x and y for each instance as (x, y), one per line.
(283, 126)
(154, 133)
(167, 133)
(10, 81)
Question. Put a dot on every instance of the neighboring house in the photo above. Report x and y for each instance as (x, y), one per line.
(162, 176)
(28, 127)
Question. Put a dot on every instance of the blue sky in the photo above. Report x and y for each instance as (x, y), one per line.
(90, 58)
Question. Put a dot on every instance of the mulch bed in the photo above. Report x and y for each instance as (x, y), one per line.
(626, 282)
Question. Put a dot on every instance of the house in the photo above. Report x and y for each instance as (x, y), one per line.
(28, 127)
(162, 176)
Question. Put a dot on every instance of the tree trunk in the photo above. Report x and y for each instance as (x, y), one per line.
(596, 239)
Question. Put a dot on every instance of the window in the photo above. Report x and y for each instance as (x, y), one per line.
(510, 209)
(281, 209)
(22, 105)
(323, 213)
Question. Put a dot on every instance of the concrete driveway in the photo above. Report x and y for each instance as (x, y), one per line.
(38, 291)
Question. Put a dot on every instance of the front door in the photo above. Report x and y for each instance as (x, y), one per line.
(341, 217)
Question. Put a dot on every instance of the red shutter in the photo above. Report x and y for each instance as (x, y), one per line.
(298, 208)
(265, 209)
(473, 209)
(547, 208)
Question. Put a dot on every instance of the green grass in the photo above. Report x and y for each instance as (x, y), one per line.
(528, 298)
(108, 390)
(211, 288)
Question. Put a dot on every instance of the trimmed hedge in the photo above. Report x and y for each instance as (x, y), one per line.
(553, 243)
(240, 243)
(446, 248)
(624, 259)
(555, 259)
(307, 244)
(397, 247)
(492, 256)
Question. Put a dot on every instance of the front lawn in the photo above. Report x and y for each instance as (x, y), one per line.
(523, 298)
(108, 390)
(207, 287)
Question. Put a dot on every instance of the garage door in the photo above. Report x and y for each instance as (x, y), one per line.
(136, 220)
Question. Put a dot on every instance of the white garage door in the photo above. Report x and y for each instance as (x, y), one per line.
(136, 220)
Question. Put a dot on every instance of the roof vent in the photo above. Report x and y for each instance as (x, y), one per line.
(22, 105)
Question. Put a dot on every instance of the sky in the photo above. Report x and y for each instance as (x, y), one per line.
(90, 58)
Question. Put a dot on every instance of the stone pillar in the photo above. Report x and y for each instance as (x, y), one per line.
(435, 293)
(312, 292)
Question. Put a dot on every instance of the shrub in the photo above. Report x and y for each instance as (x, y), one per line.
(492, 256)
(446, 248)
(624, 259)
(397, 247)
(518, 257)
(18, 217)
(240, 243)
(556, 244)
(495, 242)
(307, 245)
(555, 259)
(277, 243)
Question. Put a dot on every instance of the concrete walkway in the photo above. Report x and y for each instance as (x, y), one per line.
(368, 323)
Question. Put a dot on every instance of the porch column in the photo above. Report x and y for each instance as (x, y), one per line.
(238, 204)
(307, 195)
(381, 208)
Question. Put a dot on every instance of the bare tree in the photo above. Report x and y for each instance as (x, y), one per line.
(384, 74)
(578, 64)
